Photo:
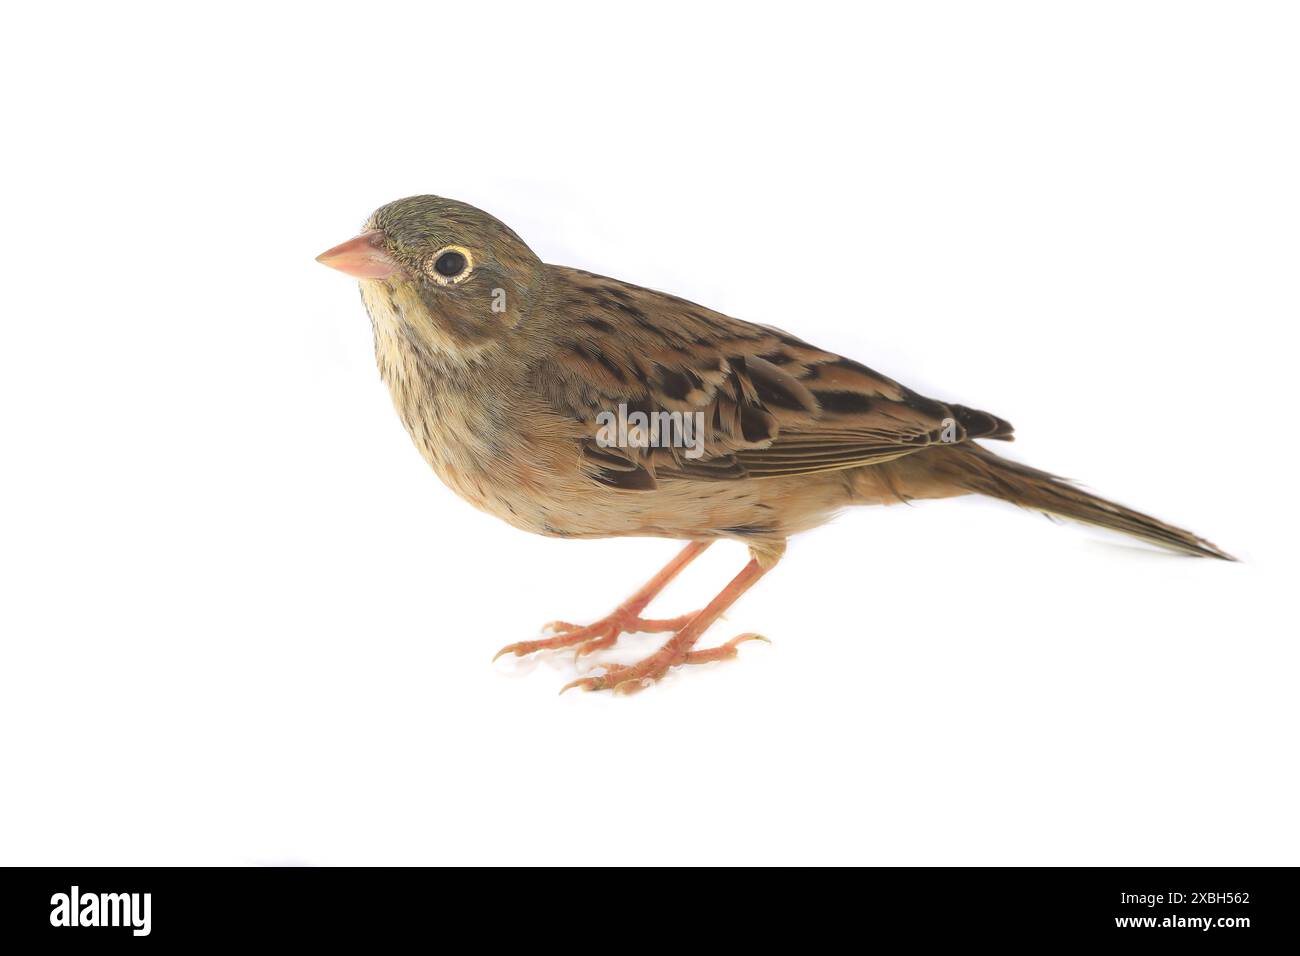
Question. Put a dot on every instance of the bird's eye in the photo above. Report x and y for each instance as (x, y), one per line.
(449, 265)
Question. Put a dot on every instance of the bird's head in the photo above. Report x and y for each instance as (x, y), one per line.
(455, 276)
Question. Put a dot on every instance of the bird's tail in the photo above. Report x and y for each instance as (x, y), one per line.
(978, 470)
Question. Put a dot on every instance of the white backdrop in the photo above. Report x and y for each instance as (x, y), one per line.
(243, 622)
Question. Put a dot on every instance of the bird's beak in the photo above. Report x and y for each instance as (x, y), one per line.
(362, 257)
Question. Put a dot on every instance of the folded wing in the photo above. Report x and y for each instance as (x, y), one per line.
(770, 405)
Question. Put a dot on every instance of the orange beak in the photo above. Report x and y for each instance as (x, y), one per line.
(362, 257)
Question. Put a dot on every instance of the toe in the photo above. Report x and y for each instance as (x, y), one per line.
(723, 652)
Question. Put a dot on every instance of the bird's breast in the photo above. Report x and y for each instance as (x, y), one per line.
(482, 438)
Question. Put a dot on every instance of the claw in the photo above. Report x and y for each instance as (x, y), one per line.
(520, 649)
(586, 683)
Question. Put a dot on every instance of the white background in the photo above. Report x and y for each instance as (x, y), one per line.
(243, 623)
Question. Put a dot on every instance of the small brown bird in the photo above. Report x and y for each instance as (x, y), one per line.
(578, 406)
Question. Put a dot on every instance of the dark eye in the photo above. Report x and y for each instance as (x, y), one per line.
(449, 264)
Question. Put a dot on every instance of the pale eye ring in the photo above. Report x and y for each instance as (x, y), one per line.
(449, 265)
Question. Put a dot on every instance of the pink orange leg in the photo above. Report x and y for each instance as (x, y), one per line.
(677, 650)
(626, 618)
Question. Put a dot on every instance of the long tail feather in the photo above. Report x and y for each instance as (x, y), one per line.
(979, 470)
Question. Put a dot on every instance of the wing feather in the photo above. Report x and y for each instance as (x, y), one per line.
(770, 404)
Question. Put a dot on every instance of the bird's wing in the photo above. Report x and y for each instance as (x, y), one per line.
(769, 404)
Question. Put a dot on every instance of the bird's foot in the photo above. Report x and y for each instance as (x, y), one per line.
(630, 678)
(594, 637)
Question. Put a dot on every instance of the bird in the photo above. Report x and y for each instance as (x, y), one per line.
(573, 405)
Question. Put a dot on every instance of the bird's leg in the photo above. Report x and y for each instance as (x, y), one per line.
(627, 617)
(634, 677)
